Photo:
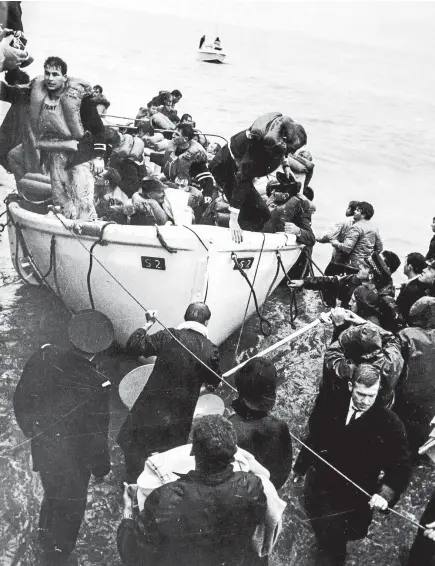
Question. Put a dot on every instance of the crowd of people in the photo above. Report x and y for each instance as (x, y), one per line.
(375, 402)
(98, 170)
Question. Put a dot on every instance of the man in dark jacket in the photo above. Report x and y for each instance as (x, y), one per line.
(415, 395)
(207, 517)
(252, 153)
(360, 438)
(162, 416)
(62, 404)
(414, 288)
(264, 436)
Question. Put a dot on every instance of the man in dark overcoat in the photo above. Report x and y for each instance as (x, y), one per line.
(162, 415)
(62, 404)
(360, 438)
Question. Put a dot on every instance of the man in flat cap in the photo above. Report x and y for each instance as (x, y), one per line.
(61, 404)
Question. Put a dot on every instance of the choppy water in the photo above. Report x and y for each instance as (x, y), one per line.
(359, 78)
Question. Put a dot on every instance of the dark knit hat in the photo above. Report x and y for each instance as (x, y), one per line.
(214, 439)
(359, 342)
(392, 260)
(381, 272)
(256, 384)
(367, 296)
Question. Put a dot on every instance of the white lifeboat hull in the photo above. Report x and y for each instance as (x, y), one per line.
(210, 55)
(201, 269)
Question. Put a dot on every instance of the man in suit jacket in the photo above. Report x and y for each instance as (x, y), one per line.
(360, 438)
(162, 416)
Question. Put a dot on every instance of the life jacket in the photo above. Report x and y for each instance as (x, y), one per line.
(69, 123)
(161, 122)
(131, 148)
(273, 130)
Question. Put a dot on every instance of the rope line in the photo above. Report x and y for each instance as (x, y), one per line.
(352, 482)
(249, 298)
(144, 308)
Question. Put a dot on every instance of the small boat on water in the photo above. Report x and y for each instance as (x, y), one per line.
(211, 52)
(163, 268)
(208, 54)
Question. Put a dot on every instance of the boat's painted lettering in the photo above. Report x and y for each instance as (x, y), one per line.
(153, 262)
(245, 262)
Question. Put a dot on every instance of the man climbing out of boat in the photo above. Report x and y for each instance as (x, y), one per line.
(251, 153)
(65, 132)
(181, 153)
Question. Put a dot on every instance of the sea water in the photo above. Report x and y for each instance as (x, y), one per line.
(358, 76)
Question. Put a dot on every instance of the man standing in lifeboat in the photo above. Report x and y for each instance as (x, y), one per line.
(255, 152)
(64, 132)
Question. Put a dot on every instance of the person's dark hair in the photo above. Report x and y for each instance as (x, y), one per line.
(309, 193)
(300, 134)
(352, 205)
(164, 97)
(177, 93)
(197, 312)
(186, 117)
(416, 261)
(144, 127)
(113, 176)
(186, 130)
(101, 99)
(154, 102)
(16, 77)
(56, 63)
(256, 384)
(99, 88)
(366, 209)
(183, 177)
(392, 260)
(367, 375)
(112, 136)
(214, 442)
(367, 300)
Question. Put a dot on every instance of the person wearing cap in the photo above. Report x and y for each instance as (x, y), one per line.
(162, 415)
(360, 438)
(252, 153)
(61, 404)
(368, 343)
(266, 437)
(415, 395)
(207, 517)
(413, 289)
(110, 200)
